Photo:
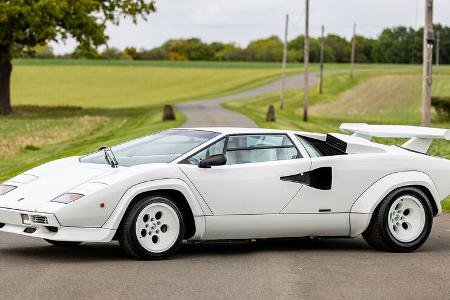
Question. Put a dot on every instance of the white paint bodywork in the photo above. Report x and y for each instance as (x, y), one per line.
(242, 201)
(420, 137)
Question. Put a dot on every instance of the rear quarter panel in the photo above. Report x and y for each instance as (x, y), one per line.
(354, 174)
(439, 171)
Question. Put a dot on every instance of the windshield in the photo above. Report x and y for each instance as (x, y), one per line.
(161, 147)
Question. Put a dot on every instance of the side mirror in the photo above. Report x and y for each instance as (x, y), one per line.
(213, 160)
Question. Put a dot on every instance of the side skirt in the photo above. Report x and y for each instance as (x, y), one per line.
(276, 226)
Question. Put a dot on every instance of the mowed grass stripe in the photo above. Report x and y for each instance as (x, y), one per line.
(113, 87)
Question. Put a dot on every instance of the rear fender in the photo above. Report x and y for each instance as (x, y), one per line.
(369, 200)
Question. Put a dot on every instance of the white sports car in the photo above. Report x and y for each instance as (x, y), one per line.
(202, 184)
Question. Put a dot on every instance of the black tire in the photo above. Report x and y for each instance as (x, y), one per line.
(127, 231)
(63, 243)
(378, 234)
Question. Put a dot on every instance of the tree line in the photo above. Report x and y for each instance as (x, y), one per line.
(402, 45)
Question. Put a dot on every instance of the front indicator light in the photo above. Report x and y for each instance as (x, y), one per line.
(67, 198)
(5, 188)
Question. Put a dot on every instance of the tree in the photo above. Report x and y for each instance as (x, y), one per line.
(114, 53)
(33, 22)
(444, 36)
(43, 51)
(131, 52)
(364, 49)
(340, 48)
(159, 53)
(269, 49)
(296, 45)
(190, 49)
(399, 45)
(85, 51)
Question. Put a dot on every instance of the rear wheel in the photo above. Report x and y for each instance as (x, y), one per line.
(63, 243)
(152, 229)
(402, 222)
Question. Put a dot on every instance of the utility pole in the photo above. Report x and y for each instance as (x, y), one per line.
(428, 41)
(285, 53)
(437, 48)
(321, 61)
(306, 63)
(353, 51)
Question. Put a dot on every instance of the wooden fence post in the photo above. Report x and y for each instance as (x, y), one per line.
(169, 113)
(270, 116)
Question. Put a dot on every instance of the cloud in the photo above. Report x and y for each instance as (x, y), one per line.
(244, 20)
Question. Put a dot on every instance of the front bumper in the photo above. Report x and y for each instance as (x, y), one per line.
(46, 226)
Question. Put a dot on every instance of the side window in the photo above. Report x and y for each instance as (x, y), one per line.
(243, 149)
(216, 148)
(310, 148)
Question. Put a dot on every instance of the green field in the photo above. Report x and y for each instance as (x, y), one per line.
(117, 86)
(70, 107)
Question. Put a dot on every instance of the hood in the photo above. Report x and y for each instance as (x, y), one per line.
(46, 182)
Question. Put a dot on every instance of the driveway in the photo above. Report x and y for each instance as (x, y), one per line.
(281, 269)
(210, 113)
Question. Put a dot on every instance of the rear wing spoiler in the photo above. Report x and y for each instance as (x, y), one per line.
(420, 138)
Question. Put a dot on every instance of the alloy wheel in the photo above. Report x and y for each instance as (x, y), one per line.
(157, 227)
(406, 219)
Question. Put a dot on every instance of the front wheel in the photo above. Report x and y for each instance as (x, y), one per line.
(152, 229)
(402, 222)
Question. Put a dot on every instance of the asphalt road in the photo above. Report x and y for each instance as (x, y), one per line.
(210, 113)
(294, 269)
(297, 269)
(201, 113)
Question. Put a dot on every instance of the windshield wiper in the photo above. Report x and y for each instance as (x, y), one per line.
(109, 156)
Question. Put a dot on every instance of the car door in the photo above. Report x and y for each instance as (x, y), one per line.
(251, 181)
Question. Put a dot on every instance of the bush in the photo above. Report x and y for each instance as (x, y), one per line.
(31, 148)
(442, 106)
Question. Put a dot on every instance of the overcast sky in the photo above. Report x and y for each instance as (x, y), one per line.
(244, 20)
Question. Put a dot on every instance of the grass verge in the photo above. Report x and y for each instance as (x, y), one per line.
(58, 132)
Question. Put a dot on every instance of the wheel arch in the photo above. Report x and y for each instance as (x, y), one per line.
(363, 208)
(179, 199)
(433, 200)
(177, 190)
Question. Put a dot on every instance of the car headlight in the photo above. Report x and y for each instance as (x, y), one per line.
(6, 188)
(67, 198)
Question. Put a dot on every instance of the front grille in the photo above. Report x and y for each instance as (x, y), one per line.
(336, 143)
(39, 219)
